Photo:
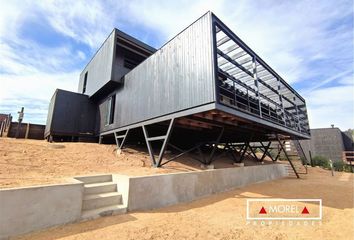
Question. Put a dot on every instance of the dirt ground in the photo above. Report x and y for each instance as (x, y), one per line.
(33, 162)
(222, 216)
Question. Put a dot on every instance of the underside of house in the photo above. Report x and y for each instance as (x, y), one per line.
(203, 91)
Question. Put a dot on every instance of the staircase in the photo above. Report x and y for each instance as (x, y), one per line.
(296, 157)
(299, 168)
(101, 197)
(300, 151)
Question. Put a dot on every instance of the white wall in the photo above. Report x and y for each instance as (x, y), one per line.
(28, 209)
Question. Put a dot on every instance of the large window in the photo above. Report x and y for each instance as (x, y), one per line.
(109, 106)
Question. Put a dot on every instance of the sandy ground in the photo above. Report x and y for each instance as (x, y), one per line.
(34, 162)
(222, 216)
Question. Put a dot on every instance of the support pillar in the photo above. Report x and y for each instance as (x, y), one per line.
(120, 139)
(164, 138)
(210, 160)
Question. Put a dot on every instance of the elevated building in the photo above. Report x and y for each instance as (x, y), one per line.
(203, 88)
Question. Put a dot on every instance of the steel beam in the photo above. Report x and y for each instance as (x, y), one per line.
(183, 152)
(203, 108)
(265, 152)
(151, 153)
(254, 64)
(239, 42)
(215, 146)
(123, 137)
(164, 138)
(164, 144)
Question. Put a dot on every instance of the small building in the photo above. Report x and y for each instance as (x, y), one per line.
(202, 87)
(328, 142)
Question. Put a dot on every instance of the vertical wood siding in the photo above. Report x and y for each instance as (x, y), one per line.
(178, 76)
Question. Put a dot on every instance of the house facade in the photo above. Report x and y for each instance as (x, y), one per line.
(205, 85)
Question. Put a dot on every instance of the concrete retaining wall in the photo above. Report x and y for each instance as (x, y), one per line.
(28, 209)
(162, 190)
(23, 210)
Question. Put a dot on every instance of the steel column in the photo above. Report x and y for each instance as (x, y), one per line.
(215, 146)
(254, 65)
(266, 148)
(123, 137)
(164, 138)
(151, 153)
(183, 152)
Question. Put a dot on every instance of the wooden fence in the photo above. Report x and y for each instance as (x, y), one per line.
(27, 130)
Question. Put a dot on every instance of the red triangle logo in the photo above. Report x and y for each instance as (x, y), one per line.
(305, 211)
(262, 211)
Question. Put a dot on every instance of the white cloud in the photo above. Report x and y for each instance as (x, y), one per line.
(343, 76)
(33, 91)
(45, 84)
(332, 105)
(88, 22)
(169, 17)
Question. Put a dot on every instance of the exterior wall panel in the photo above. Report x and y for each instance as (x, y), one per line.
(178, 76)
(73, 114)
(99, 68)
(327, 142)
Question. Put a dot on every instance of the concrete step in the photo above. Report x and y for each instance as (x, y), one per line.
(104, 187)
(104, 211)
(94, 201)
(95, 178)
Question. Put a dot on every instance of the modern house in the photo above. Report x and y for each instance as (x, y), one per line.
(203, 88)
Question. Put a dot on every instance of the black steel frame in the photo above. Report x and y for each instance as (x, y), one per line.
(120, 139)
(245, 82)
(243, 149)
(165, 138)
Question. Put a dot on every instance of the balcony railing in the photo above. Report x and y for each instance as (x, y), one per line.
(247, 84)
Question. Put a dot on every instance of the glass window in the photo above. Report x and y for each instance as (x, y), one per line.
(109, 106)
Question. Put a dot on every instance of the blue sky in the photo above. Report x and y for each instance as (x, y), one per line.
(45, 44)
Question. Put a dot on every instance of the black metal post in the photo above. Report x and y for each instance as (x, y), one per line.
(20, 118)
(215, 146)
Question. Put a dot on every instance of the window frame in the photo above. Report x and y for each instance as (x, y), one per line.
(110, 110)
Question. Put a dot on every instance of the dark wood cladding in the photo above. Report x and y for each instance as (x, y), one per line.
(191, 74)
(178, 76)
(72, 114)
(34, 131)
